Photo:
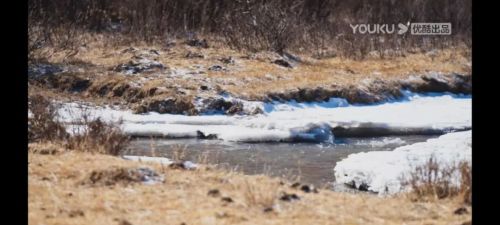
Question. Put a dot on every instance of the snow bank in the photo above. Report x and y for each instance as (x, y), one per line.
(161, 160)
(382, 171)
(293, 121)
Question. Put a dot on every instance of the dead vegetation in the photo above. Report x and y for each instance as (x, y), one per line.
(89, 134)
(55, 192)
(255, 78)
(159, 56)
(433, 181)
(320, 27)
(264, 196)
(42, 124)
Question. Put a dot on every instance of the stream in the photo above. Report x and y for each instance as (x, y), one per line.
(311, 163)
(301, 141)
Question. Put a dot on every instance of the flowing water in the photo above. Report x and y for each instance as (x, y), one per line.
(309, 162)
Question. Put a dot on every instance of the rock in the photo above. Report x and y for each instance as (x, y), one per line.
(168, 105)
(64, 82)
(308, 189)
(355, 94)
(75, 213)
(283, 62)
(201, 135)
(256, 111)
(312, 132)
(204, 87)
(227, 60)
(218, 104)
(289, 197)
(214, 193)
(460, 211)
(295, 185)
(268, 209)
(192, 55)
(197, 43)
(363, 187)
(236, 108)
(385, 90)
(226, 199)
(454, 83)
(378, 90)
(123, 222)
(217, 68)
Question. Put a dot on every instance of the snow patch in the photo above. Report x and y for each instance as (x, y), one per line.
(382, 171)
(162, 160)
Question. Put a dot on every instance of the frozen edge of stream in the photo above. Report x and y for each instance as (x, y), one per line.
(296, 122)
(383, 172)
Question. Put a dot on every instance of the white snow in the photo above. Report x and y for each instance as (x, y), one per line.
(385, 141)
(162, 160)
(382, 171)
(293, 121)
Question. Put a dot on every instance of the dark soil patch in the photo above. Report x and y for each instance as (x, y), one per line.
(377, 90)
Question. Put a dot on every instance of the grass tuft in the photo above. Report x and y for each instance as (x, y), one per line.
(434, 181)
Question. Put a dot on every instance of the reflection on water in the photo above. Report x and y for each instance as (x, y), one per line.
(309, 162)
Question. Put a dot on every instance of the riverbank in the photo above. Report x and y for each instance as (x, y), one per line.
(70, 187)
(193, 80)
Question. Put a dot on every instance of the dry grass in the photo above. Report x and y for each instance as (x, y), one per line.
(89, 134)
(253, 75)
(433, 181)
(42, 124)
(99, 137)
(264, 195)
(343, 72)
(56, 196)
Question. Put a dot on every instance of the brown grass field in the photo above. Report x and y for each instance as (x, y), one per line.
(253, 74)
(56, 195)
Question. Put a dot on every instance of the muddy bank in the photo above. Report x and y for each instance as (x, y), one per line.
(378, 90)
(189, 99)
